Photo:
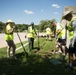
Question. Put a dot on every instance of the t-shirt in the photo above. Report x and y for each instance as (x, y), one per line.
(8, 36)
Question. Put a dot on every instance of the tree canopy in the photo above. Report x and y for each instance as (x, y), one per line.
(22, 27)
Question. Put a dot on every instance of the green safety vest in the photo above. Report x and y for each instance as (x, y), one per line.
(63, 32)
(31, 32)
(60, 34)
(8, 36)
(70, 29)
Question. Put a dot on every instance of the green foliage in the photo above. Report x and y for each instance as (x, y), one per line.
(2, 27)
(22, 27)
(45, 23)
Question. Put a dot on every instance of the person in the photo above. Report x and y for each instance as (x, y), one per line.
(30, 34)
(61, 40)
(54, 26)
(48, 33)
(9, 38)
(63, 43)
(58, 36)
(71, 27)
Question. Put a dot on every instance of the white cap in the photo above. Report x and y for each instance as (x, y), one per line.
(9, 21)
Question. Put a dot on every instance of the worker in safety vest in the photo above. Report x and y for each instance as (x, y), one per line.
(9, 29)
(61, 40)
(31, 34)
(71, 27)
(48, 33)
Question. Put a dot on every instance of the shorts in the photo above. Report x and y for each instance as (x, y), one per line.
(62, 41)
(59, 40)
(10, 43)
(72, 49)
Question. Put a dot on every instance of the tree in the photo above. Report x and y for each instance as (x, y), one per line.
(22, 27)
(2, 27)
(45, 23)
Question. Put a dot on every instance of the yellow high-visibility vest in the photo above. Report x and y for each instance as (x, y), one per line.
(63, 33)
(31, 32)
(8, 36)
(70, 29)
(48, 31)
(58, 29)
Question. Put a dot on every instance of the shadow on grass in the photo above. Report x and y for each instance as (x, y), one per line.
(35, 64)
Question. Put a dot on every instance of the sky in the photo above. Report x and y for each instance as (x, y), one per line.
(27, 11)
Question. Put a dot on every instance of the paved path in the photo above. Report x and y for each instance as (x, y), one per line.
(16, 39)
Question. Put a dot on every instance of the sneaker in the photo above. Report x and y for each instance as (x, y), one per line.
(14, 58)
(56, 46)
(9, 57)
(59, 51)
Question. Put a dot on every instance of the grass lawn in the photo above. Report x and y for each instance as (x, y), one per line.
(37, 62)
